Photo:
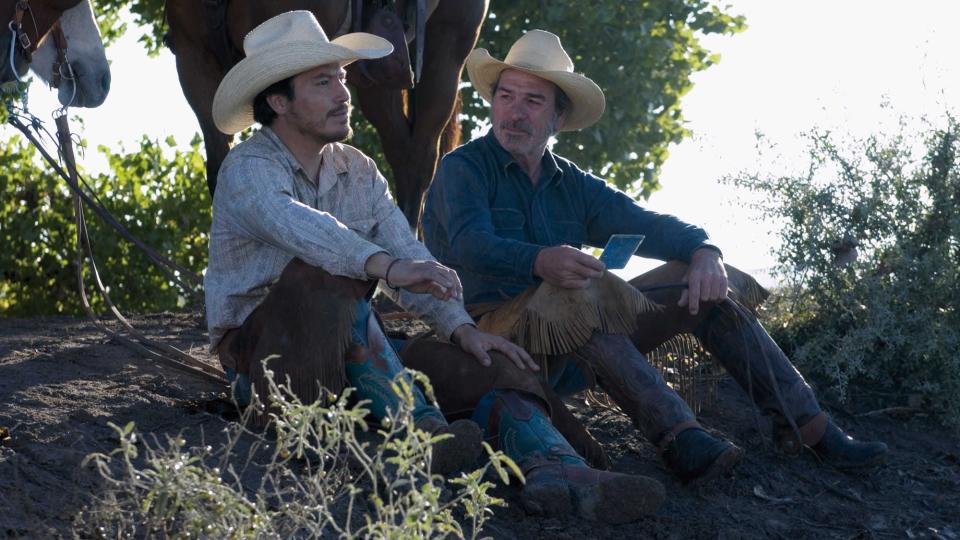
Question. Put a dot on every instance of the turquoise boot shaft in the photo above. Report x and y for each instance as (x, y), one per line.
(523, 430)
(372, 364)
(558, 481)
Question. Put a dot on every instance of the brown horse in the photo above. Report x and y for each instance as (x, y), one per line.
(207, 38)
(25, 23)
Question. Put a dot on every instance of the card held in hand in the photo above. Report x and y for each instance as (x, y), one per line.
(619, 249)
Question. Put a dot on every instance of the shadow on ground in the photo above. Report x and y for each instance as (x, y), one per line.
(61, 381)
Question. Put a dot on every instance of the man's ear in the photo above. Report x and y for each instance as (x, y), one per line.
(562, 118)
(278, 102)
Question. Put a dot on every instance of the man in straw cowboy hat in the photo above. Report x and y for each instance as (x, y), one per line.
(303, 229)
(510, 216)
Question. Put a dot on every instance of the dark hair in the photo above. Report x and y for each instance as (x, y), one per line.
(263, 113)
(561, 99)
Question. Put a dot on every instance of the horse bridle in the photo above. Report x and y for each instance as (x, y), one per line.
(21, 43)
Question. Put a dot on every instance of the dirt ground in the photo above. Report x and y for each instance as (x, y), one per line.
(61, 381)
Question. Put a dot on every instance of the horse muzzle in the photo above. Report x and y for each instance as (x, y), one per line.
(81, 87)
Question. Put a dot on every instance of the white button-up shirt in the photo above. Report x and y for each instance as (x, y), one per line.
(266, 211)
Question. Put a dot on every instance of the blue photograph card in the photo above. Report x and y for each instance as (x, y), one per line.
(620, 247)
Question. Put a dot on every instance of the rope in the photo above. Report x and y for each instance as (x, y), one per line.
(173, 270)
(138, 342)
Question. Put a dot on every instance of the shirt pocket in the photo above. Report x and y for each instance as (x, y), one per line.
(571, 233)
(507, 222)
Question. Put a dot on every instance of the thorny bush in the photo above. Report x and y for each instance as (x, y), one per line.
(890, 318)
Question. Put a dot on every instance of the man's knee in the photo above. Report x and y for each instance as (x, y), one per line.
(459, 381)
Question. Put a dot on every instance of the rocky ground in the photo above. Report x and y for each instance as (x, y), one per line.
(61, 381)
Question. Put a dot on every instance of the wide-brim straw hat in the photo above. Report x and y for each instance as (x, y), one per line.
(281, 47)
(539, 53)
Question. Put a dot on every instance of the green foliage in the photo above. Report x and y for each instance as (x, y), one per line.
(890, 318)
(158, 193)
(642, 55)
(323, 476)
(148, 15)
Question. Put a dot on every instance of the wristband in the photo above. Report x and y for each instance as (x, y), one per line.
(386, 275)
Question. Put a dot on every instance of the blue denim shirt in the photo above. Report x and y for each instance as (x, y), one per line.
(484, 218)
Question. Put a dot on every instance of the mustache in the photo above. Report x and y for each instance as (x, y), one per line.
(519, 125)
(345, 108)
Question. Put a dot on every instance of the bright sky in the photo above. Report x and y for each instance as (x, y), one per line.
(801, 64)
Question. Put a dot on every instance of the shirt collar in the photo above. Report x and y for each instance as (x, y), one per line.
(549, 167)
(282, 149)
(330, 156)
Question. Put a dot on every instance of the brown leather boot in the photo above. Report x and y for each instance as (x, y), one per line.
(561, 488)
(842, 451)
(696, 456)
(458, 452)
(558, 480)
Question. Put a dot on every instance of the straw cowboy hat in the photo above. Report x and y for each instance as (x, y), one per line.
(282, 47)
(539, 53)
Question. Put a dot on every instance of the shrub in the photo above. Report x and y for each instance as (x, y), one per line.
(159, 195)
(889, 319)
(318, 473)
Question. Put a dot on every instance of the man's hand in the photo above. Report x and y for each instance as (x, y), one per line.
(567, 267)
(706, 280)
(415, 276)
(477, 343)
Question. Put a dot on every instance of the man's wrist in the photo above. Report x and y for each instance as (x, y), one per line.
(457, 332)
(377, 265)
(534, 267)
(709, 247)
(386, 274)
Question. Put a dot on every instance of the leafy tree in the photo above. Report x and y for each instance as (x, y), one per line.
(890, 317)
(641, 53)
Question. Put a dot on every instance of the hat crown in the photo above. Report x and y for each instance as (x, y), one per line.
(299, 25)
(539, 50)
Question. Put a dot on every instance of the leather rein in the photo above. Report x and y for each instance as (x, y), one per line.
(20, 43)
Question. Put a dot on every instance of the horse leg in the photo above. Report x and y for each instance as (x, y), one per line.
(451, 34)
(384, 108)
(199, 73)
(412, 147)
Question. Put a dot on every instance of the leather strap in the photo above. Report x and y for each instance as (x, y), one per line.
(60, 41)
(669, 436)
(16, 26)
(812, 431)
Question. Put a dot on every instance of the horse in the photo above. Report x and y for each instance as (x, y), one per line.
(410, 111)
(71, 57)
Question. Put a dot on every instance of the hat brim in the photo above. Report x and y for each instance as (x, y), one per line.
(586, 98)
(233, 101)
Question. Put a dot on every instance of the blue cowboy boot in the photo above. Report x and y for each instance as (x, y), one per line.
(558, 481)
(372, 364)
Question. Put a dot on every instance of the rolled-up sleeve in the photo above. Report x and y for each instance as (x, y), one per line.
(394, 234)
(262, 205)
(461, 203)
